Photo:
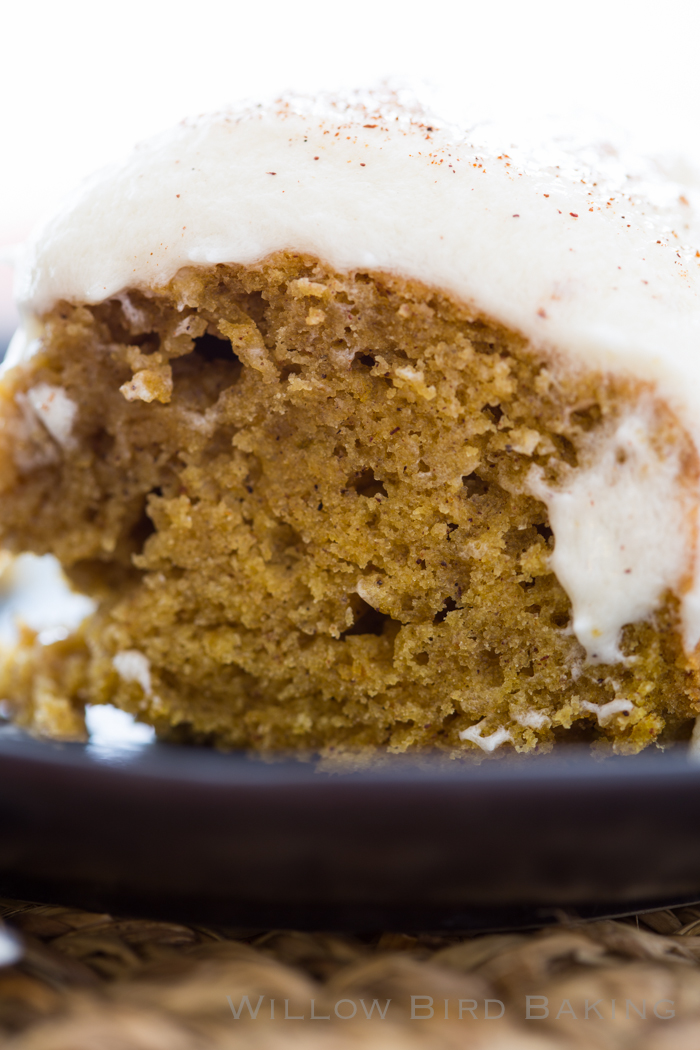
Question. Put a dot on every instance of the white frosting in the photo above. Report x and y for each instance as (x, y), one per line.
(531, 719)
(623, 527)
(486, 743)
(55, 410)
(606, 712)
(134, 666)
(33, 590)
(111, 730)
(584, 254)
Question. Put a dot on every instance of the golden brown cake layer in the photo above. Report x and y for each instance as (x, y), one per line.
(303, 498)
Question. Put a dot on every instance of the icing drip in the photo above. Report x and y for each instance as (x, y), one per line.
(622, 527)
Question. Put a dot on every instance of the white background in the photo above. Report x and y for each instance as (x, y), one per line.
(81, 81)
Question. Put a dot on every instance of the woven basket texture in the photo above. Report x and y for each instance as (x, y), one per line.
(87, 981)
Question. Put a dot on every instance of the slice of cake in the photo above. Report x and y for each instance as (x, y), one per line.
(363, 436)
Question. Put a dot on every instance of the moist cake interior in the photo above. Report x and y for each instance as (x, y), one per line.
(303, 502)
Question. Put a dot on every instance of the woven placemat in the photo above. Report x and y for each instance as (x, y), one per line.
(87, 981)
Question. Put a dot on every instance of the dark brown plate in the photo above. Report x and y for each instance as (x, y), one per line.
(192, 834)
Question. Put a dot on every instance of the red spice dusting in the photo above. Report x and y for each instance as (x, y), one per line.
(270, 172)
(177, 194)
(545, 195)
(362, 165)
(516, 216)
(541, 312)
(573, 215)
(315, 158)
(371, 126)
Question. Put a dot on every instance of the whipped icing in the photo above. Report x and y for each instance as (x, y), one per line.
(34, 591)
(623, 527)
(112, 730)
(486, 743)
(531, 719)
(56, 411)
(606, 712)
(133, 666)
(591, 260)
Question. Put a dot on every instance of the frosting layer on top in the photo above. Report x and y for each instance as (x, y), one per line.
(585, 257)
(569, 249)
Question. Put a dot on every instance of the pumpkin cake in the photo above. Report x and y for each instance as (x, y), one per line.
(364, 436)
